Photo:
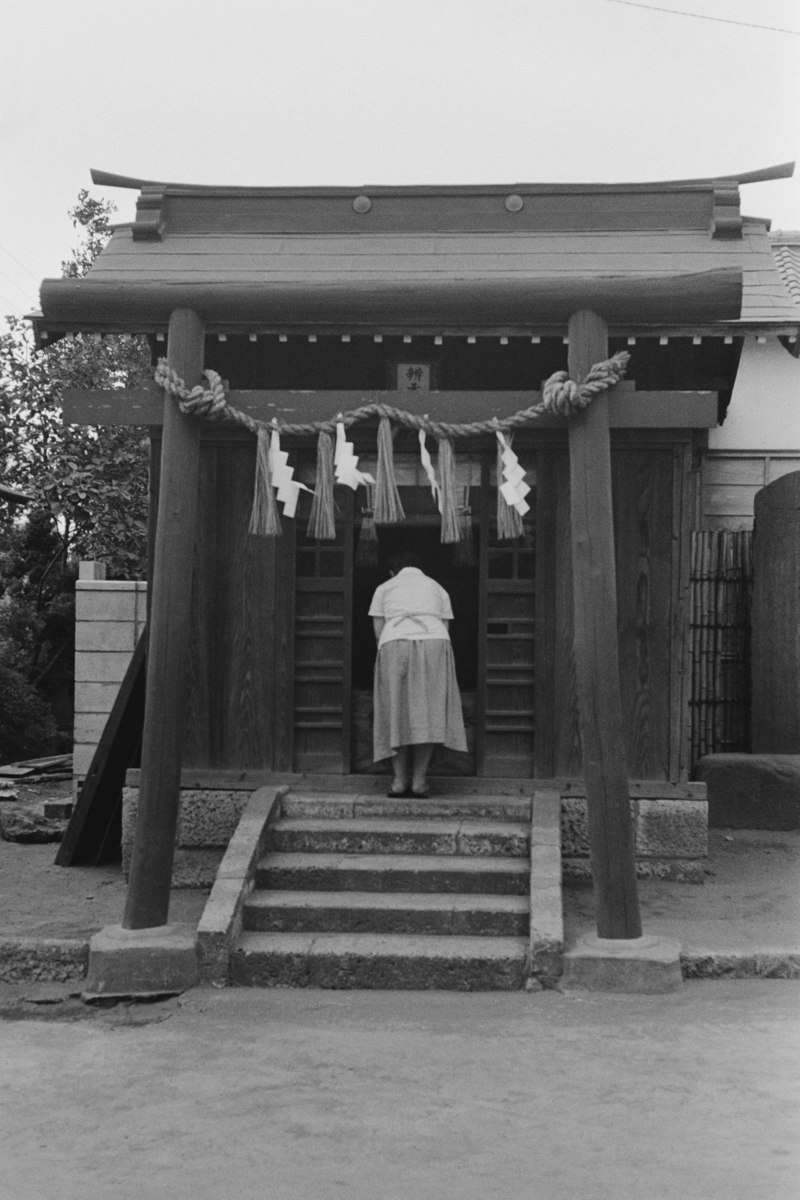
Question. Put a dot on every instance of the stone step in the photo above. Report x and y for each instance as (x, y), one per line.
(306, 805)
(369, 960)
(387, 912)
(382, 835)
(279, 871)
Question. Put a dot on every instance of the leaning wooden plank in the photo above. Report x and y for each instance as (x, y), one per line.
(96, 819)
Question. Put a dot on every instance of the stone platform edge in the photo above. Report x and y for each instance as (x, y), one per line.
(670, 821)
(546, 950)
(221, 922)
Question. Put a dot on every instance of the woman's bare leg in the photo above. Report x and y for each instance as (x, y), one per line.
(421, 758)
(401, 763)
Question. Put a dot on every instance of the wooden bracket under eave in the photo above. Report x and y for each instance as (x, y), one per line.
(150, 217)
(727, 216)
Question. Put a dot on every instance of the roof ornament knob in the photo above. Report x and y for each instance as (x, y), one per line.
(514, 203)
(362, 204)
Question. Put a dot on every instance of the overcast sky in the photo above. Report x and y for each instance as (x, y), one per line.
(316, 92)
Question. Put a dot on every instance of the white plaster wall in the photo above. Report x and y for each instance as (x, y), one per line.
(764, 412)
(109, 617)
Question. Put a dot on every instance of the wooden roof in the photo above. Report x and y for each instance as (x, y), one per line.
(513, 259)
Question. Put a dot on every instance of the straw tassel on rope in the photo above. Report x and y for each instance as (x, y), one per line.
(322, 520)
(448, 502)
(387, 509)
(264, 518)
(367, 548)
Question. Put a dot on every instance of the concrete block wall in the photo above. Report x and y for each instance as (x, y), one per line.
(109, 617)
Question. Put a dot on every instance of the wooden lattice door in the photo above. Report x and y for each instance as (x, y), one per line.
(322, 650)
(505, 712)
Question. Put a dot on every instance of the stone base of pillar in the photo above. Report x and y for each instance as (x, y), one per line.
(141, 963)
(644, 965)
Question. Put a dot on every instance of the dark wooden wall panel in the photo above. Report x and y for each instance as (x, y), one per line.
(647, 561)
(568, 752)
(203, 721)
(642, 485)
(234, 660)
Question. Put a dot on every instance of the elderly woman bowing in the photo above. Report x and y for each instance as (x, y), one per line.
(417, 704)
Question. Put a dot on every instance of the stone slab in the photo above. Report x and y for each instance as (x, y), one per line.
(30, 826)
(387, 912)
(160, 961)
(389, 961)
(646, 965)
(776, 963)
(662, 828)
(671, 870)
(221, 922)
(393, 872)
(58, 959)
(546, 930)
(752, 791)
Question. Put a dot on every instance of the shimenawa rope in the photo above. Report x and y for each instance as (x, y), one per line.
(561, 396)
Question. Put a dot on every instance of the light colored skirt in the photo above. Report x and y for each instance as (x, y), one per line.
(416, 697)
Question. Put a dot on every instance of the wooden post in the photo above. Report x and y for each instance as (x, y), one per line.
(776, 618)
(147, 902)
(596, 647)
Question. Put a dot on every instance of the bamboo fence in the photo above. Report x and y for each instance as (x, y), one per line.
(721, 586)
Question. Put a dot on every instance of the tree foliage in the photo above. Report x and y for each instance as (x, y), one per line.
(92, 481)
(89, 485)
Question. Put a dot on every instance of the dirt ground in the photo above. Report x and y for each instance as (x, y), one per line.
(39, 899)
(749, 903)
(751, 897)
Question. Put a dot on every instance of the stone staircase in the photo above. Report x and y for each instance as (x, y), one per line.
(371, 892)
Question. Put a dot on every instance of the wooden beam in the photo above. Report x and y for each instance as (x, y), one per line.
(460, 296)
(147, 903)
(596, 648)
(628, 409)
(96, 819)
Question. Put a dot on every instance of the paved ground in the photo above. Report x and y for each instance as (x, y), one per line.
(296, 1094)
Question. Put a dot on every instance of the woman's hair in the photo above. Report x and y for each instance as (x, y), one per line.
(404, 558)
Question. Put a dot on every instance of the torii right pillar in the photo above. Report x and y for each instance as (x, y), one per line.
(618, 958)
(596, 645)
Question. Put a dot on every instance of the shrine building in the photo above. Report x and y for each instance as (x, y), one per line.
(446, 310)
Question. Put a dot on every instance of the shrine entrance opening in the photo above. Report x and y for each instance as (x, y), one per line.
(456, 569)
(491, 586)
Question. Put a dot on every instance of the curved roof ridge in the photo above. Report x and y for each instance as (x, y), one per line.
(764, 174)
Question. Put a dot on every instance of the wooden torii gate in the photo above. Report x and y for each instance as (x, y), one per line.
(595, 605)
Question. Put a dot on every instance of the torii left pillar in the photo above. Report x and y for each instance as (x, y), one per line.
(145, 955)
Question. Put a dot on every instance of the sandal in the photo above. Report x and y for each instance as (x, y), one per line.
(393, 795)
(422, 794)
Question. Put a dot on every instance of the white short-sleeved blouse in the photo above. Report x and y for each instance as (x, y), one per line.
(414, 607)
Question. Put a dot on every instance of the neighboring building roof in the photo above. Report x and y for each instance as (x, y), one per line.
(786, 252)
(515, 259)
